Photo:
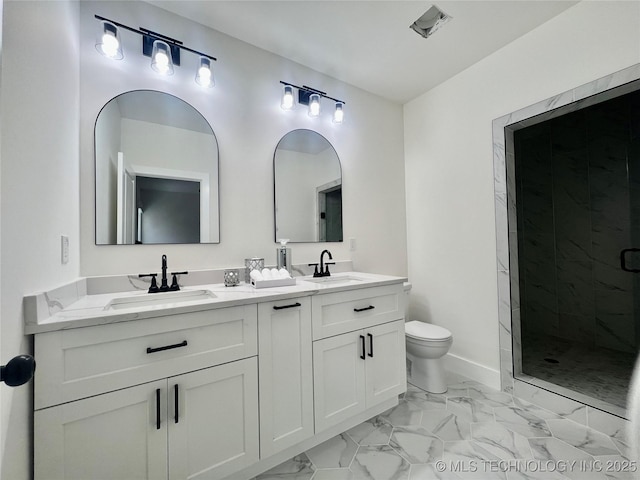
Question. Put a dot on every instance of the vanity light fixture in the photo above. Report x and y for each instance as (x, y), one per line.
(108, 42)
(310, 97)
(164, 51)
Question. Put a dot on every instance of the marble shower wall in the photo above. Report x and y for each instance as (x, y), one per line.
(575, 214)
(506, 248)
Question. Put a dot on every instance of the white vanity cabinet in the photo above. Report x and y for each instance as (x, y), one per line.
(357, 368)
(197, 418)
(286, 374)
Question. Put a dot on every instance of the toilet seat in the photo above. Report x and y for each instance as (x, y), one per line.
(426, 331)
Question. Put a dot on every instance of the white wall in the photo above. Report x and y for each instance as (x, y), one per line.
(244, 111)
(39, 190)
(449, 163)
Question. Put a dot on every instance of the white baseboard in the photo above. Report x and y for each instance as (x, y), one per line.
(470, 369)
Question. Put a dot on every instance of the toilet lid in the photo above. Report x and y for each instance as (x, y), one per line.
(427, 331)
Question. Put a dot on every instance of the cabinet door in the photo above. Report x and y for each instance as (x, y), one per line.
(285, 372)
(338, 369)
(213, 426)
(385, 364)
(115, 435)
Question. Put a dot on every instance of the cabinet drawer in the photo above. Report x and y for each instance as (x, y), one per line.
(340, 312)
(81, 362)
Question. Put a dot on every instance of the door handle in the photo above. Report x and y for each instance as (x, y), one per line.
(157, 409)
(175, 403)
(167, 347)
(370, 307)
(293, 305)
(363, 347)
(370, 345)
(623, 260)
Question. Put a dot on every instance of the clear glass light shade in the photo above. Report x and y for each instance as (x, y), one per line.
(108, 41)
(287, 98)
(204, 76)
(338, 114)
(314, 105)
(161, 61)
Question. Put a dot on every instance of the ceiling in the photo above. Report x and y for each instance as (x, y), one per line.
(369, 43)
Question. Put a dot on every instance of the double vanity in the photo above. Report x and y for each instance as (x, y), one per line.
(209, 382)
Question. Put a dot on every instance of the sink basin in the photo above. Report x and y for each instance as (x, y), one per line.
(159, 299)
(333, 280)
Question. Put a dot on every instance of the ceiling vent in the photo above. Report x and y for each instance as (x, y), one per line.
(430, 22)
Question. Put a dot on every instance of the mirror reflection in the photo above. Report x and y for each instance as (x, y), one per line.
(308, 188)
(156, 172)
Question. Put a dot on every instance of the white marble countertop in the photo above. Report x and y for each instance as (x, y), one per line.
(71, 307)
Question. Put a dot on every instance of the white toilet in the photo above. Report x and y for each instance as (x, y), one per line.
(426, 344)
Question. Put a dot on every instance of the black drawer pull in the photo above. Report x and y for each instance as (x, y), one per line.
(370, 307)
(167, 347)
(363, 347)
(158, 409)
(176, 414)
(370, 345)
(293, 305)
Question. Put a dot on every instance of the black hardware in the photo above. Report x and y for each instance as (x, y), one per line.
(363, 347)
(164, 287)
(370, 345)
(315, 273)
(154, 285)
(326, 268)
(370, 307)
(148, 37)
(175, 392)
(324, 271)
(276, 307)
(174, 282)
(167, 347)
(18, 371)
(623, 260)
(304, 92)
(157, 409)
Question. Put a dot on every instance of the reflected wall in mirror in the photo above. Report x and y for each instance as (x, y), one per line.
(308, 188)
(156, 172)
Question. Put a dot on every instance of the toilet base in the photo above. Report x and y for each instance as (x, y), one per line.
(427, 374)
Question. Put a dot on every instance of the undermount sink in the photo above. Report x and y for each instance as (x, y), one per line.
(159, 299)
(334, 279)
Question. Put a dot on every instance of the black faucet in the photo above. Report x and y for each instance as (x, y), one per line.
(324, 266)
(164, 286)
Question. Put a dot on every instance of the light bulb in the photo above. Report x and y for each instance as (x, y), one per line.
(338, 114)
(108, 43)
(314, 105)
(161, 58)
(287, 98)
(204, 77)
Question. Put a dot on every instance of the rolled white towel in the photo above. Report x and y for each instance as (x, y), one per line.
(256, 276)
(275, 274)
(284, 273)
(266, 274)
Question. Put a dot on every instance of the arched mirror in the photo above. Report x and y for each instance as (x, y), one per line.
(308, 188)
(156, 172)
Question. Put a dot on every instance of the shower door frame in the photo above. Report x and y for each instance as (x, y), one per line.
(561, 400)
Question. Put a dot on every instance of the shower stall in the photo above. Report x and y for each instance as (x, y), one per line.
(573, 196)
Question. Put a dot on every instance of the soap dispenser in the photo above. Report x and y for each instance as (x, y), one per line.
(283, 254)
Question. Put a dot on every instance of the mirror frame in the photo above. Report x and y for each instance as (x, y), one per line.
(275, 216)
(95, 173)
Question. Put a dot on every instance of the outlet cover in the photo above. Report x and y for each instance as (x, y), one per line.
(352, 244)
(64, 244)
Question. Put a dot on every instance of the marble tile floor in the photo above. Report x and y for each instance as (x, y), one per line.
(598, 372)
(470, 432)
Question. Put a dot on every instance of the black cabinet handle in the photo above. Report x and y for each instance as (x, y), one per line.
(370, 345)
(167, 347)
(175, 392)
(293, 305)
(363, 347)
(370, 307)
(623, 260)
(157, 409)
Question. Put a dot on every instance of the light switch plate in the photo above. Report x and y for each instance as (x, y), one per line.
(64, 244)
(352, 244)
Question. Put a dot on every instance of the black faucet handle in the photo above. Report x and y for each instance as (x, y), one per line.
(326, 268)
(315, 273)
(154, 285)
(174, 282)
